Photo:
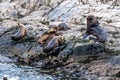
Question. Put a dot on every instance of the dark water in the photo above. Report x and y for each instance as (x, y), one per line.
(13, 72)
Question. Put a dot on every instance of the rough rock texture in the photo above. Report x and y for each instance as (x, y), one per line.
(89, 63)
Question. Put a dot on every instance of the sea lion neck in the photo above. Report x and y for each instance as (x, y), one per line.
(93, 25)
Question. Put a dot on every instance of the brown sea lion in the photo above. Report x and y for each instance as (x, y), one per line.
(59, 26)
(43, 38)
(47, 35)
(21, 32)
(93, 28)
(53, 43)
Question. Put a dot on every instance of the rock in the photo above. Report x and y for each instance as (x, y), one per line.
(82, 49)
(53, 3)
(30, 57)
(77, 19)
(115, 24)
(87, 61)
(115, 60)
(63, 55)
(62, 9)
(103, 68)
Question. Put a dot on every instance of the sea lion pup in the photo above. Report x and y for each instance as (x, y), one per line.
(58, 26)
(49, 34)
(53, 43)
(94, 29)
(21, 32)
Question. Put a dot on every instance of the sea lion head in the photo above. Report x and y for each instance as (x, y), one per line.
(91, 20)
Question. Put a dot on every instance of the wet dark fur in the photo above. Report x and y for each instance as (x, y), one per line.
(94, 28)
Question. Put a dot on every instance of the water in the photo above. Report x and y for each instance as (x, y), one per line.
(13, 72)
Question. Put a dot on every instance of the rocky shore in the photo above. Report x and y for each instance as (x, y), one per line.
(79, 60)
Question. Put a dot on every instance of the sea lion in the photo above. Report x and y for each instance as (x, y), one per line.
(53, 43)
(43, 38)
(47, 35)
(59, 26)
(94, 29)
(21, 32)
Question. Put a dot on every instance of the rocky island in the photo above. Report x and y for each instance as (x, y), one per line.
(70, 58)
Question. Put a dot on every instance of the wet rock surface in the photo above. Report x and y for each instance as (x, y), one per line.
(11, 71)
(77, 60)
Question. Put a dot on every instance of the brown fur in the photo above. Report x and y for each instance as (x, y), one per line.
(53, 43)
(20, 34)
(45, 37)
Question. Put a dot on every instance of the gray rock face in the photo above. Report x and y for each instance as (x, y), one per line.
(103, 68)
(115, 60)
(36, 14)
(72, 11)
(64, 55)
